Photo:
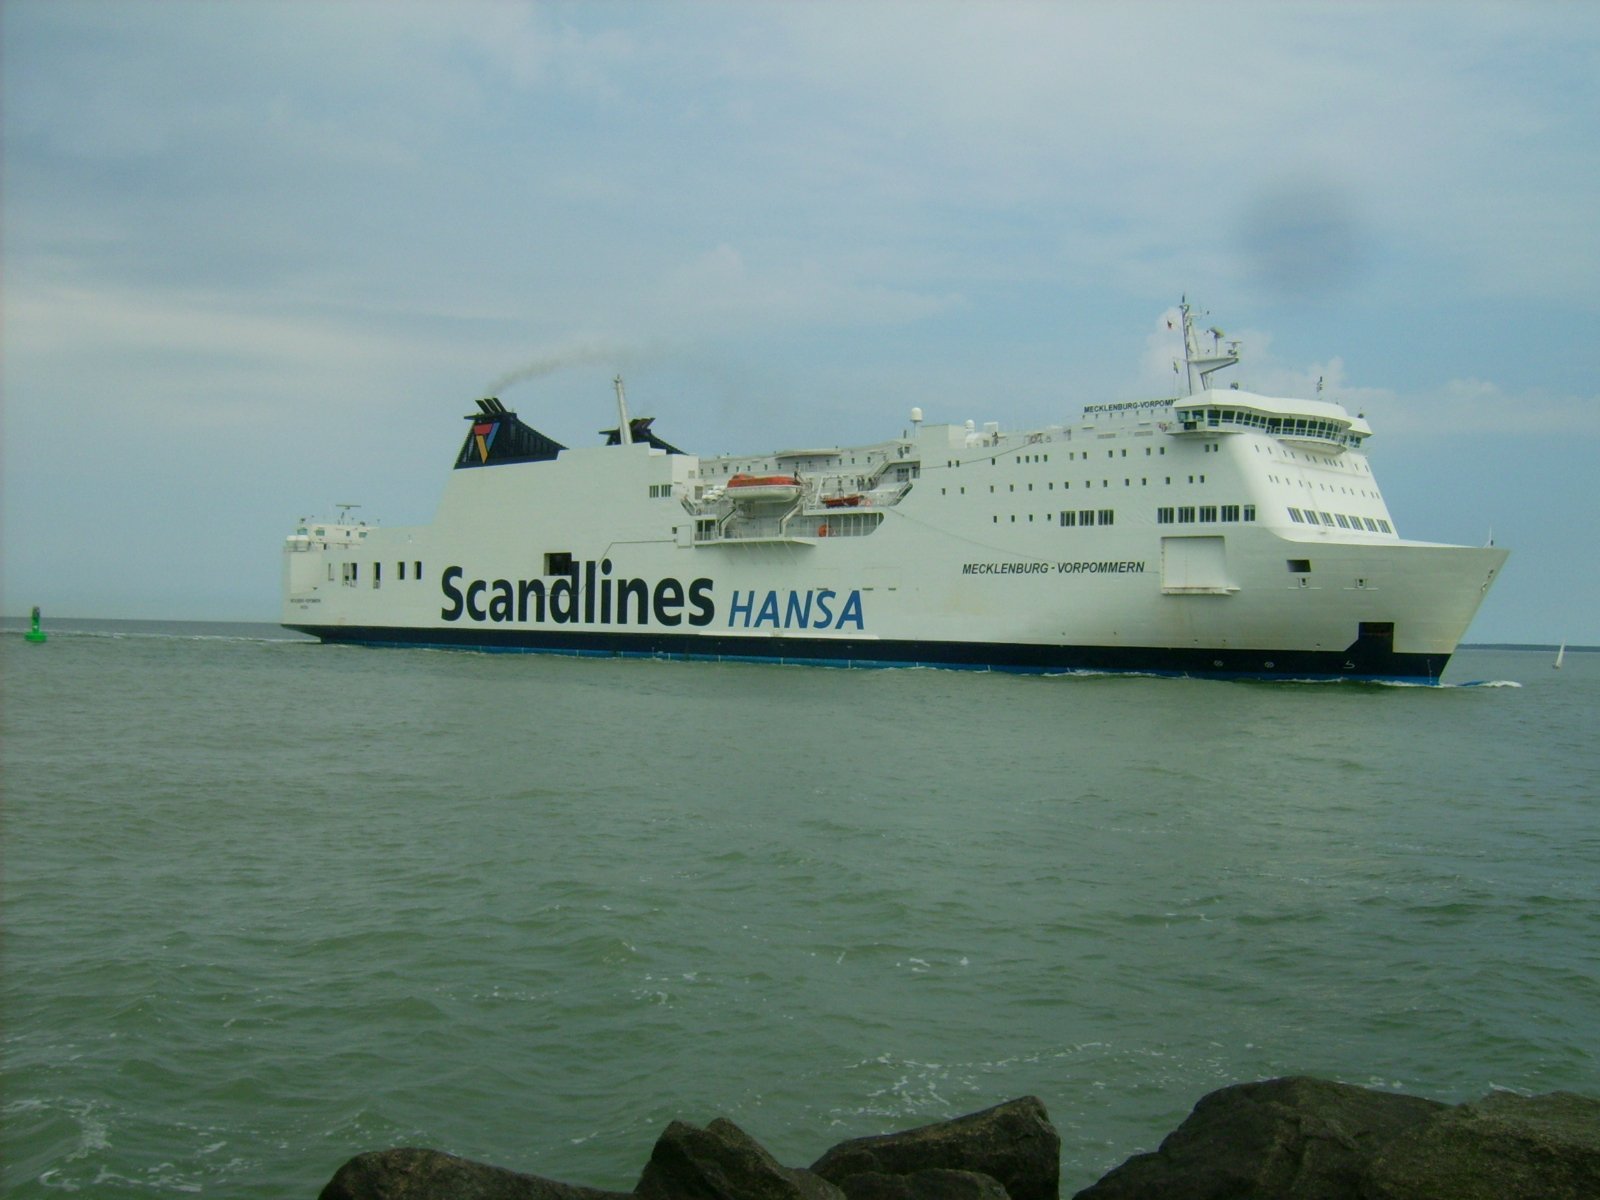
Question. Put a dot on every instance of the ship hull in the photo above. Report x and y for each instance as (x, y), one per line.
(1355, 663)
(1129, 543)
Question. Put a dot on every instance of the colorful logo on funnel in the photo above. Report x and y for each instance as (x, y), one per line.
(484, 436)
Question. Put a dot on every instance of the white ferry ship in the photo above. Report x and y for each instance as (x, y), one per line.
(1221, 533)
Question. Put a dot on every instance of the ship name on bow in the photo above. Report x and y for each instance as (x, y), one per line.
(1112, 567)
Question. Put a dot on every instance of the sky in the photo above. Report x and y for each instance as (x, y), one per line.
(258, 259)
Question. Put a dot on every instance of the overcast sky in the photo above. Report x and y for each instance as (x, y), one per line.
(259, 258)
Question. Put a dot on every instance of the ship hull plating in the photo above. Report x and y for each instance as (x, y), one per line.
(1355, 663)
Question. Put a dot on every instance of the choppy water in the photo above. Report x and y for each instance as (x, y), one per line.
(268, 904)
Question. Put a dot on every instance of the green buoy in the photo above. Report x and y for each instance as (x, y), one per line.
(35, 634)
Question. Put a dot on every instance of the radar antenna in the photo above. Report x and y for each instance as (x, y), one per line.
(624, 425)
(1201, 365)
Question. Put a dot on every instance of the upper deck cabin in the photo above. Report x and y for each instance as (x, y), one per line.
(1317, 423)
(1307, 435)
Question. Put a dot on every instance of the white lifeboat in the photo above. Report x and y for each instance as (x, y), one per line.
(764, 489)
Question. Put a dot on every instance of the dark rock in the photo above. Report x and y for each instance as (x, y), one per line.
(936, 1184)
(722, 1162)
(1503, 1147)
(1287, 1139)
(1013, 1143)
(1283, 1139)
(407, 1174)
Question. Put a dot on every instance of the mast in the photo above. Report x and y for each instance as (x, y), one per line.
(1202, 366)
(624, 426)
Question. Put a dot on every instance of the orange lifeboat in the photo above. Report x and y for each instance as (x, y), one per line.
(764, 488)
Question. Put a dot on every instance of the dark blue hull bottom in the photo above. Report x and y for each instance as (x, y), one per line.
(1363, 660)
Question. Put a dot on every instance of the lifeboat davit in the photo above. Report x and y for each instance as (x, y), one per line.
(764, 488)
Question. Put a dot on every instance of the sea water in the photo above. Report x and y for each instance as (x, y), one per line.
(268, 903)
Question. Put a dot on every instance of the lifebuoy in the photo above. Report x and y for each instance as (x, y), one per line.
(822, 531)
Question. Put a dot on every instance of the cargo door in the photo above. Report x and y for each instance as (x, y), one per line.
(1196, 565)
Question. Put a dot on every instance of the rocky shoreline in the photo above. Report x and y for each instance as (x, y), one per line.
(1295, 1138)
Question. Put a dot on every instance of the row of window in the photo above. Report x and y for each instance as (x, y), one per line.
(786, 463)
(1186, 514)
(1088, 516)
(1073, 517)
(1315, 517)
(1214, 418)
(321, 532)
(833, 524)
(1070, 517)
(1343, 465)
(1205, 514)
(350, 573)
(1144, 481)
(1072, 456)
(1285, 481)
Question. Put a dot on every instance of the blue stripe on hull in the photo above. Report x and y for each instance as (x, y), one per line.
(1358, 662)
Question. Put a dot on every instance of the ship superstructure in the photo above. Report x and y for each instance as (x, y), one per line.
(1221, 533)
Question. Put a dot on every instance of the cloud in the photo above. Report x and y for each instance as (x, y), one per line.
(60, 320)
(1303, 238)
(1464, 408)
(1080, 139)
(1450, 410)
(1354, 132)
(185, 361)
(719, 290)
